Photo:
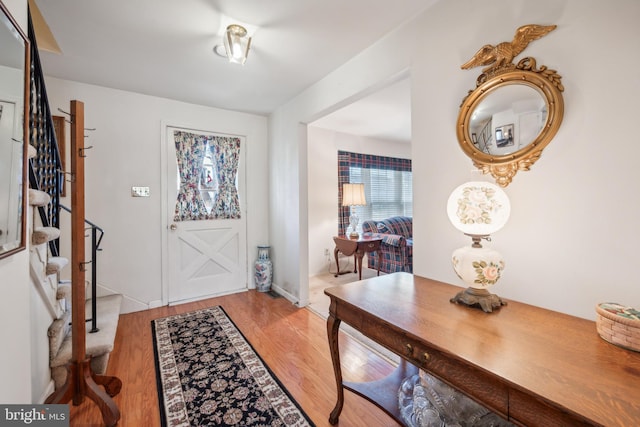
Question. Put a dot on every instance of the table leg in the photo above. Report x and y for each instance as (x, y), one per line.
(359, 263)
(333, 325)
(379, 253)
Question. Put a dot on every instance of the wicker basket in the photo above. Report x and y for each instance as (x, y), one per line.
(619, 325)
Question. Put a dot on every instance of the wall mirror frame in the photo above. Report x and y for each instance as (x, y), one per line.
(513, 113)
(14, 128)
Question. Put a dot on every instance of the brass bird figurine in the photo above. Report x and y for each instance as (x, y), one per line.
(503, 53)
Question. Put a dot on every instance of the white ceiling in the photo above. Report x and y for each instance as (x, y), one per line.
(385, 114)
(165, 48)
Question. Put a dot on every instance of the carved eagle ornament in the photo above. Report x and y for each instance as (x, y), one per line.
(503, 53)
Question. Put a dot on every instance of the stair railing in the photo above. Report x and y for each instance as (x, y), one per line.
(45, 169)
(95, 247)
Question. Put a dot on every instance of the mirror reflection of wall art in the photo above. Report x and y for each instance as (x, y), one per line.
(515, 109)
(504, 136)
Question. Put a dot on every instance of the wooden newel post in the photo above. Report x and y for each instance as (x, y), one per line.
(81, 381)
(78, 297)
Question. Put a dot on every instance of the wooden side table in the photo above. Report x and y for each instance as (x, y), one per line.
(532, 366)
(357, 248)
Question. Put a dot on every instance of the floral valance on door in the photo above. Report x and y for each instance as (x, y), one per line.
(200, 196)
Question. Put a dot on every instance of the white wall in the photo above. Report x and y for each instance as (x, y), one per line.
(323, 146)
(41, 383)
(15, 358)
(571, 239)
(127, 152)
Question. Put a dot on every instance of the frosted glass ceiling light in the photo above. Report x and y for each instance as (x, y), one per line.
(478, 209)
(237, 43)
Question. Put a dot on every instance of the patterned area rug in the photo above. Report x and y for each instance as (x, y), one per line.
(209, 375)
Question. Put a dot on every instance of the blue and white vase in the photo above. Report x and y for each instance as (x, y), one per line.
(264, 270)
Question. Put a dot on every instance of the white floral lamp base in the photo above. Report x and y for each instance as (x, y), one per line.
(480, 268)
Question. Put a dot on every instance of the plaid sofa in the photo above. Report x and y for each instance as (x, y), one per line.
(397, 243)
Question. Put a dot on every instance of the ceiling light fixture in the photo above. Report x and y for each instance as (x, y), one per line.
(237, 43)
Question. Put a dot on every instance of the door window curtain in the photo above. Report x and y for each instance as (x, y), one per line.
(226, 151)
(195, 179)
(387, 182)
(190, 151)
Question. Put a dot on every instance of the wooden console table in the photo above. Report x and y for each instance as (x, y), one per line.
(532, 366)
(357, 248)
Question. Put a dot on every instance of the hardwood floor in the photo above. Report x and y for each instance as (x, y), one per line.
(292, 341)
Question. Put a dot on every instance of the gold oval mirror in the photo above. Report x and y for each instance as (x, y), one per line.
(514, 111)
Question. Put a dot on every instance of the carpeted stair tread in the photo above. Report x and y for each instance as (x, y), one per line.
(108, 311)
(63, 295)
(44, 234)
(57, 332)
(38, 198)
(98, 345)
(64, 290)
(31, 151)
(55, 264)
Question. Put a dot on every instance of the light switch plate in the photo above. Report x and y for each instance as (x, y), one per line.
(139, 191)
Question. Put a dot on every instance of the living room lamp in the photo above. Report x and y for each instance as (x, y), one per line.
(478, 209)
(353, 195)
(237, 43)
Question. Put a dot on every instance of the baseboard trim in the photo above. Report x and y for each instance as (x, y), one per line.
(184, 301)
(292, 298)
(155, 304)
(129, 304)
(49, 389)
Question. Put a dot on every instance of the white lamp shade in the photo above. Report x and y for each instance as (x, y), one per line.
(478, 208)
(353, 195)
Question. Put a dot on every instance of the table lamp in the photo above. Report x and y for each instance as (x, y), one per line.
(478, 209)
(353, 195)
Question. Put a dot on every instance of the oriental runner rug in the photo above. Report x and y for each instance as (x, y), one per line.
(208, 374)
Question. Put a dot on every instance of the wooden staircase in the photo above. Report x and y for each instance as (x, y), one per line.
(45, 271)
(78, 358)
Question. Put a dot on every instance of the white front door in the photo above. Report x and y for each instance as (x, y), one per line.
(206, 253)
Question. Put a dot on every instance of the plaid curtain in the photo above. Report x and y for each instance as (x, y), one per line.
(347, 160)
